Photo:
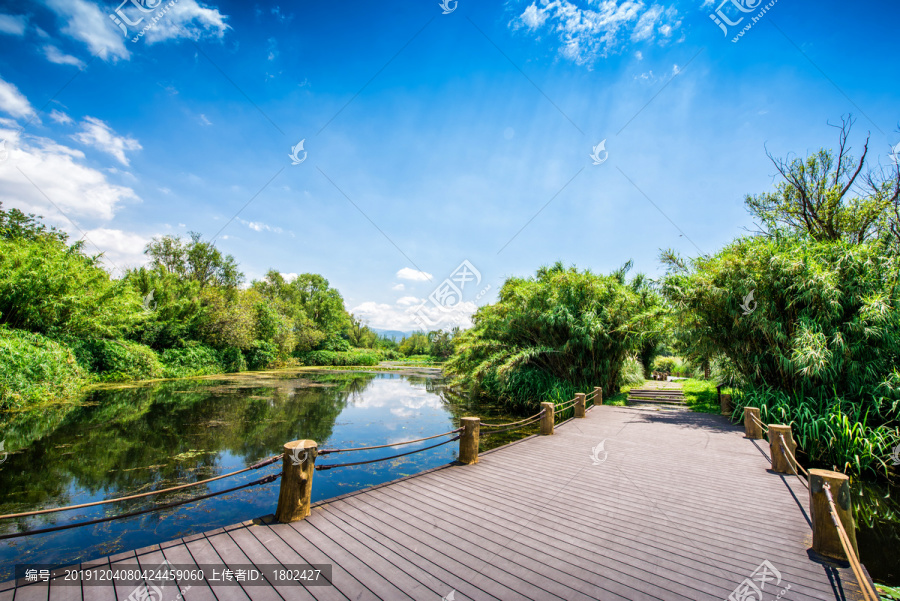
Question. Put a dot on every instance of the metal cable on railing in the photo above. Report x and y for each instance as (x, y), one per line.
(255, 466)
(383, 446)
(328, 467)
(265, 480)
(792, 461)
(538, 414)
(864, 585)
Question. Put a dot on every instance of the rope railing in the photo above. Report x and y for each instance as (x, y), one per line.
(868, 593)
(265, 480)
(538, 414)
(255, 466)
(532, 420)
(328, 467)
(792, 461)
(835, 543)
(759, 423)
(383, 446)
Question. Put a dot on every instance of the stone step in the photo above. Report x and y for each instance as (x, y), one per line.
(655, 401)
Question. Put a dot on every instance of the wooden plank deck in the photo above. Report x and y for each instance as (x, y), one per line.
(682, 507)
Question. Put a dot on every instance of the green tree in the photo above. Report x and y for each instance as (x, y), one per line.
(831, 196)
(558, 331)
(194, 260)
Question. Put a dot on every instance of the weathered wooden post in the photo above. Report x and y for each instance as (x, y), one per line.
(547, 419)
(726, 405)
(598, 395)
(826, 540)
(780, 462)
(298, 466)
(468, 440)
(579, 404)
(752, 423)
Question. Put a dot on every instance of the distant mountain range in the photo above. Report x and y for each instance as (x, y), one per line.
(395, 335)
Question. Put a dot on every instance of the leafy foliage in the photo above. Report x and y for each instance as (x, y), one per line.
(34, 369)
(562, 329)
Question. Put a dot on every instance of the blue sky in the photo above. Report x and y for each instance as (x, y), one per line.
(429, 138)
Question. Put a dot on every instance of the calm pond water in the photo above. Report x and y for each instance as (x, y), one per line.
(129, 439)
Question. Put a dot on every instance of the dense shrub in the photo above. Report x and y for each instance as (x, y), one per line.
(323, 358)
(261, 355)
(34, 368)
(116, 360)
(233, 360)
(193, 359)
(560, 329)
(632, 373)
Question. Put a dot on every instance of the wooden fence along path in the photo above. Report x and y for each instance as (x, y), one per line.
(624, 504)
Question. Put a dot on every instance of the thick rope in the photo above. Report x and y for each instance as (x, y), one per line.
(538, 414)
(792, 461)
(759, 423)
(265, 480)
(328, 467)
(383, 446)
(255, 466)
(791, 456)
(490, 432)
(865, 587)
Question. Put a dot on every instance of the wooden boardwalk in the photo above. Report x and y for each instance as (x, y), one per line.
(679, 506)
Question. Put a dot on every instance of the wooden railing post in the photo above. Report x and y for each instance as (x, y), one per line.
(298, 466)
(752, 427)
(780, 462)
(579, 404)
(826, 540)
(547, 419)
(726, 405)
(598, 395)
(468, 440)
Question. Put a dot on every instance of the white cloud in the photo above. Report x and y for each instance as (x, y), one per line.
(411, 274)
(639, 55)
(204, 120)
(258, 226)
(124, 249)
(55, 55)
(190, 20)
(101, 136)
(89, 23)
(13, 24)
(85, 21)
(13, 102)
(646, 23)
(61, 117)
(400, 317)
(592, 31)
(289, 277)
(39, 166)
(398, 287)
(408, 300)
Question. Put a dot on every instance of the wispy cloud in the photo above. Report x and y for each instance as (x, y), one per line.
(411, 274)
(13, 102)
(55, 55)
(590, 30)
(13, 24)
(101, 136)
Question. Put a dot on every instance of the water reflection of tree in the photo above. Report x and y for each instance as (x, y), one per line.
(149, 437)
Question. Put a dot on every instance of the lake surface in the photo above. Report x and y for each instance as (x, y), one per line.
(126, 440)
(130, 439)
